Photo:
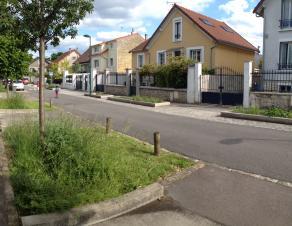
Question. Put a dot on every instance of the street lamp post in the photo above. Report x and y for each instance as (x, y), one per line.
(90, 52)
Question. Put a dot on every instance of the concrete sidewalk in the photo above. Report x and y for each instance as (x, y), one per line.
(160, 213)
(233, 198)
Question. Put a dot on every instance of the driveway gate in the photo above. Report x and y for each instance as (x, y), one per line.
(222, 86)
(100, 81)
(133, 84)
(79, 79)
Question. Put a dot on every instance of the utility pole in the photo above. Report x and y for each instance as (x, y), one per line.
(90, 52)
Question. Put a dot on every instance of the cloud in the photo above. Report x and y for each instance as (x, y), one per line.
(240, 17)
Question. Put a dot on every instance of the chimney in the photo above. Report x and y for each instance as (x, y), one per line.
(70, 49)
(132, 32)
(146, 36)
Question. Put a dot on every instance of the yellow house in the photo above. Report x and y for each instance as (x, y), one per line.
(66, 60)
(184, 32)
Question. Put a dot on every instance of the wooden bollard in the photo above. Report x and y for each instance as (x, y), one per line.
(108, 125)
(156, 143)
(50, 102)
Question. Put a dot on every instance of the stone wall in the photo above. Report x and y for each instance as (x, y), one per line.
(116, 90)
(167, 94)
(269, 99)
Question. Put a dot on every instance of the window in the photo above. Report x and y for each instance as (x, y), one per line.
(111, 62)
(74, 58)
(177, 29)
(285, 55)
(177, 53)
(96, 63)
(140, 60)
(227, 29)
(286, 20)
(96, 49)
(207, 22)
(161, 57)
(196, 54)
(69, 79)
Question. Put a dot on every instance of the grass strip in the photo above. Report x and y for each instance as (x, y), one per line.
(270, 112)
(79, 165)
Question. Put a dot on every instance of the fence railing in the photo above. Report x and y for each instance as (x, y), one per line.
(115, 78)
(285, 23)
(272, 81)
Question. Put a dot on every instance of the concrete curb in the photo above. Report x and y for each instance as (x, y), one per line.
(139, 102)
(96, 213)
(259, 118)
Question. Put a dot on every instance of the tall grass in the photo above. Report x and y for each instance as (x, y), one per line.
(270, 112)
(14, 101)
(80, 164)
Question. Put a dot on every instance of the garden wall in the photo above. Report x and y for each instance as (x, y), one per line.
(116, 90)
(269, 99)
(167, 94)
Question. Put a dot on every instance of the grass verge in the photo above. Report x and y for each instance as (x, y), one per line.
(270, 112)
(17, 101)
(79, 165)
(152, 100)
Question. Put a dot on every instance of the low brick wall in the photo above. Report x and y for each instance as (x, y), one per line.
(269, 99)
(167, 94)
(116, 90)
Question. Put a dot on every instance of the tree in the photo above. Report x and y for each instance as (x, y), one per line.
(14, 57)
(46, 22)
(55, 56)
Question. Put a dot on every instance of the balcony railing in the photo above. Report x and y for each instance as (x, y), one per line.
(285, 66)
(285, 23)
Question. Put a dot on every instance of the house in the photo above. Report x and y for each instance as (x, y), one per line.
(184, 32)
(277, 49)
(65, 61)
(114, 55)
(84, 62)
(34, 67)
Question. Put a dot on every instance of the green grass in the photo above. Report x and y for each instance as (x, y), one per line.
(17, 101)
(145, 99)
(270, 112)
(80, 165)
(2, 88)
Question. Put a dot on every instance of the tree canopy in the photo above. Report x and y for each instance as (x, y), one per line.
(54, 56)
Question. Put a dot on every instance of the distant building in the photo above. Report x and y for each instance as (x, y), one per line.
(66, 60)
(84, 61)
(34, 67)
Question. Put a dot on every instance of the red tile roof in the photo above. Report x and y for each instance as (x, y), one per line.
(64, 55)
(84, 58)
(258, 6)
(140, 47)
(219, 31)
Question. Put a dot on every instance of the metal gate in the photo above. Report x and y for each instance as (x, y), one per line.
(222, 86)
(79, 79)
(133, 84)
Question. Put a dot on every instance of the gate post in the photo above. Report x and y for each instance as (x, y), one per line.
(137, 82)
(194, 84)
(191, 85)
(247, 84)
(106, 73)
(66, 73)
(128, 81)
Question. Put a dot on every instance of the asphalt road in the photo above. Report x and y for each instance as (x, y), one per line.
(254, 150)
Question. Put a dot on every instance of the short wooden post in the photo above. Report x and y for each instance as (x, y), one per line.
(50, 102)
(108, 125)
(0, 126)
(156, 143)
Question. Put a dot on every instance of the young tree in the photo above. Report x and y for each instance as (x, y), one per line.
(46, 22)
(54, 56)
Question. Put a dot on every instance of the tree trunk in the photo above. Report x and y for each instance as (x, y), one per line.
(41, 91)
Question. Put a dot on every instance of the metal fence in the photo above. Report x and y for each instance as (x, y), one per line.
(222, 79)
(114, 78)
(272, 81)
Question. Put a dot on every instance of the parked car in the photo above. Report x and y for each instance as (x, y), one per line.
(18, 85)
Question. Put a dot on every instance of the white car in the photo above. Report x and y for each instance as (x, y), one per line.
(18, 85)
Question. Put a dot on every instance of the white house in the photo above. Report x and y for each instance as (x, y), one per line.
(277, 49)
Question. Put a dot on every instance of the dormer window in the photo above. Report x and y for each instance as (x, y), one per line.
(177, 29)
(286, 20)
(96, 49)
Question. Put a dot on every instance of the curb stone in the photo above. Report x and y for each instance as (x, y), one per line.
(96, 213)
(139, 102)
(259, 118)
